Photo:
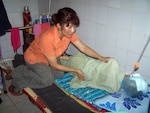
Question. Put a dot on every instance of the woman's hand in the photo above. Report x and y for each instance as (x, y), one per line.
(80, 75)
(105, 59)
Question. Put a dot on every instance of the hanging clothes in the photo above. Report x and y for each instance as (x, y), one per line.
(38, 28)
(15, 38)
(4, 22)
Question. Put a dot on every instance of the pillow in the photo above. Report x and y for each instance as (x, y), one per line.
(134, 85)
(122, 102)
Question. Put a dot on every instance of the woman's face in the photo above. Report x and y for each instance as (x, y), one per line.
(68, 30)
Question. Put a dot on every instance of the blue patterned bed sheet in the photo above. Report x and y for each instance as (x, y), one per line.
(115, 102)
(120, 101)
(87, 94)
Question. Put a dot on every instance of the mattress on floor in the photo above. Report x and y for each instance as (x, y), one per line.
(60, 97)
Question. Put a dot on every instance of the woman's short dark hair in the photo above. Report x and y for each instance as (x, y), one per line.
(66, 15)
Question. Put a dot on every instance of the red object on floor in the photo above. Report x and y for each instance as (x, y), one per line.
(10, 89)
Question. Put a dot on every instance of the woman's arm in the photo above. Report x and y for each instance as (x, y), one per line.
(64, 57)
(90, 52)
(53, 63)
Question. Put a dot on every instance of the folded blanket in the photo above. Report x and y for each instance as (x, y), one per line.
(106, 76)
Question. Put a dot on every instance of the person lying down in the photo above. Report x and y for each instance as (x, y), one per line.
(106, 76)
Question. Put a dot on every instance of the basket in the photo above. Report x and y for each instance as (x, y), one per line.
(6, 63)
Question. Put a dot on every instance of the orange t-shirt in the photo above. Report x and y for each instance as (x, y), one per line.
(49, 44)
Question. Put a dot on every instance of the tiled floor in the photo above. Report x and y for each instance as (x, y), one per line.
(16, 104)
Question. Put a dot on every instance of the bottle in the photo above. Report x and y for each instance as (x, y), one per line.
(27, 19)
(44, 18)
(40, 20)
(26, 16)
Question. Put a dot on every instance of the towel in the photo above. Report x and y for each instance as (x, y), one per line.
(45, 26)
(15, 38)
(36, 29)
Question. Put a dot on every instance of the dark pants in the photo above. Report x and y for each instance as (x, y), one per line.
(34, 75)
(43, 75)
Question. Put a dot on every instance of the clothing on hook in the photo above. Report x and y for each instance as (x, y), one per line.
(15, 39)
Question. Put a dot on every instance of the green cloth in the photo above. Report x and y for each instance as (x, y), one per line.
(105, 76)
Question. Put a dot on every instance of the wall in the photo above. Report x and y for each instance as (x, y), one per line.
(14, 11)
(116, 28)
(43, 6)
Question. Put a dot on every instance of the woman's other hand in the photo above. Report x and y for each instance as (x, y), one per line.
(65, 57)
(80, 75)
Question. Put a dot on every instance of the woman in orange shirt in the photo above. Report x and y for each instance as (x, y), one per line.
(42, 56)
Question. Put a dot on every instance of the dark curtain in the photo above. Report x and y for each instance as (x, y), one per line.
(4, 22)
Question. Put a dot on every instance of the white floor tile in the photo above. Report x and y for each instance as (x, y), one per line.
(10, 109)
(16, 104)
(6, 102)
(27, 107)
